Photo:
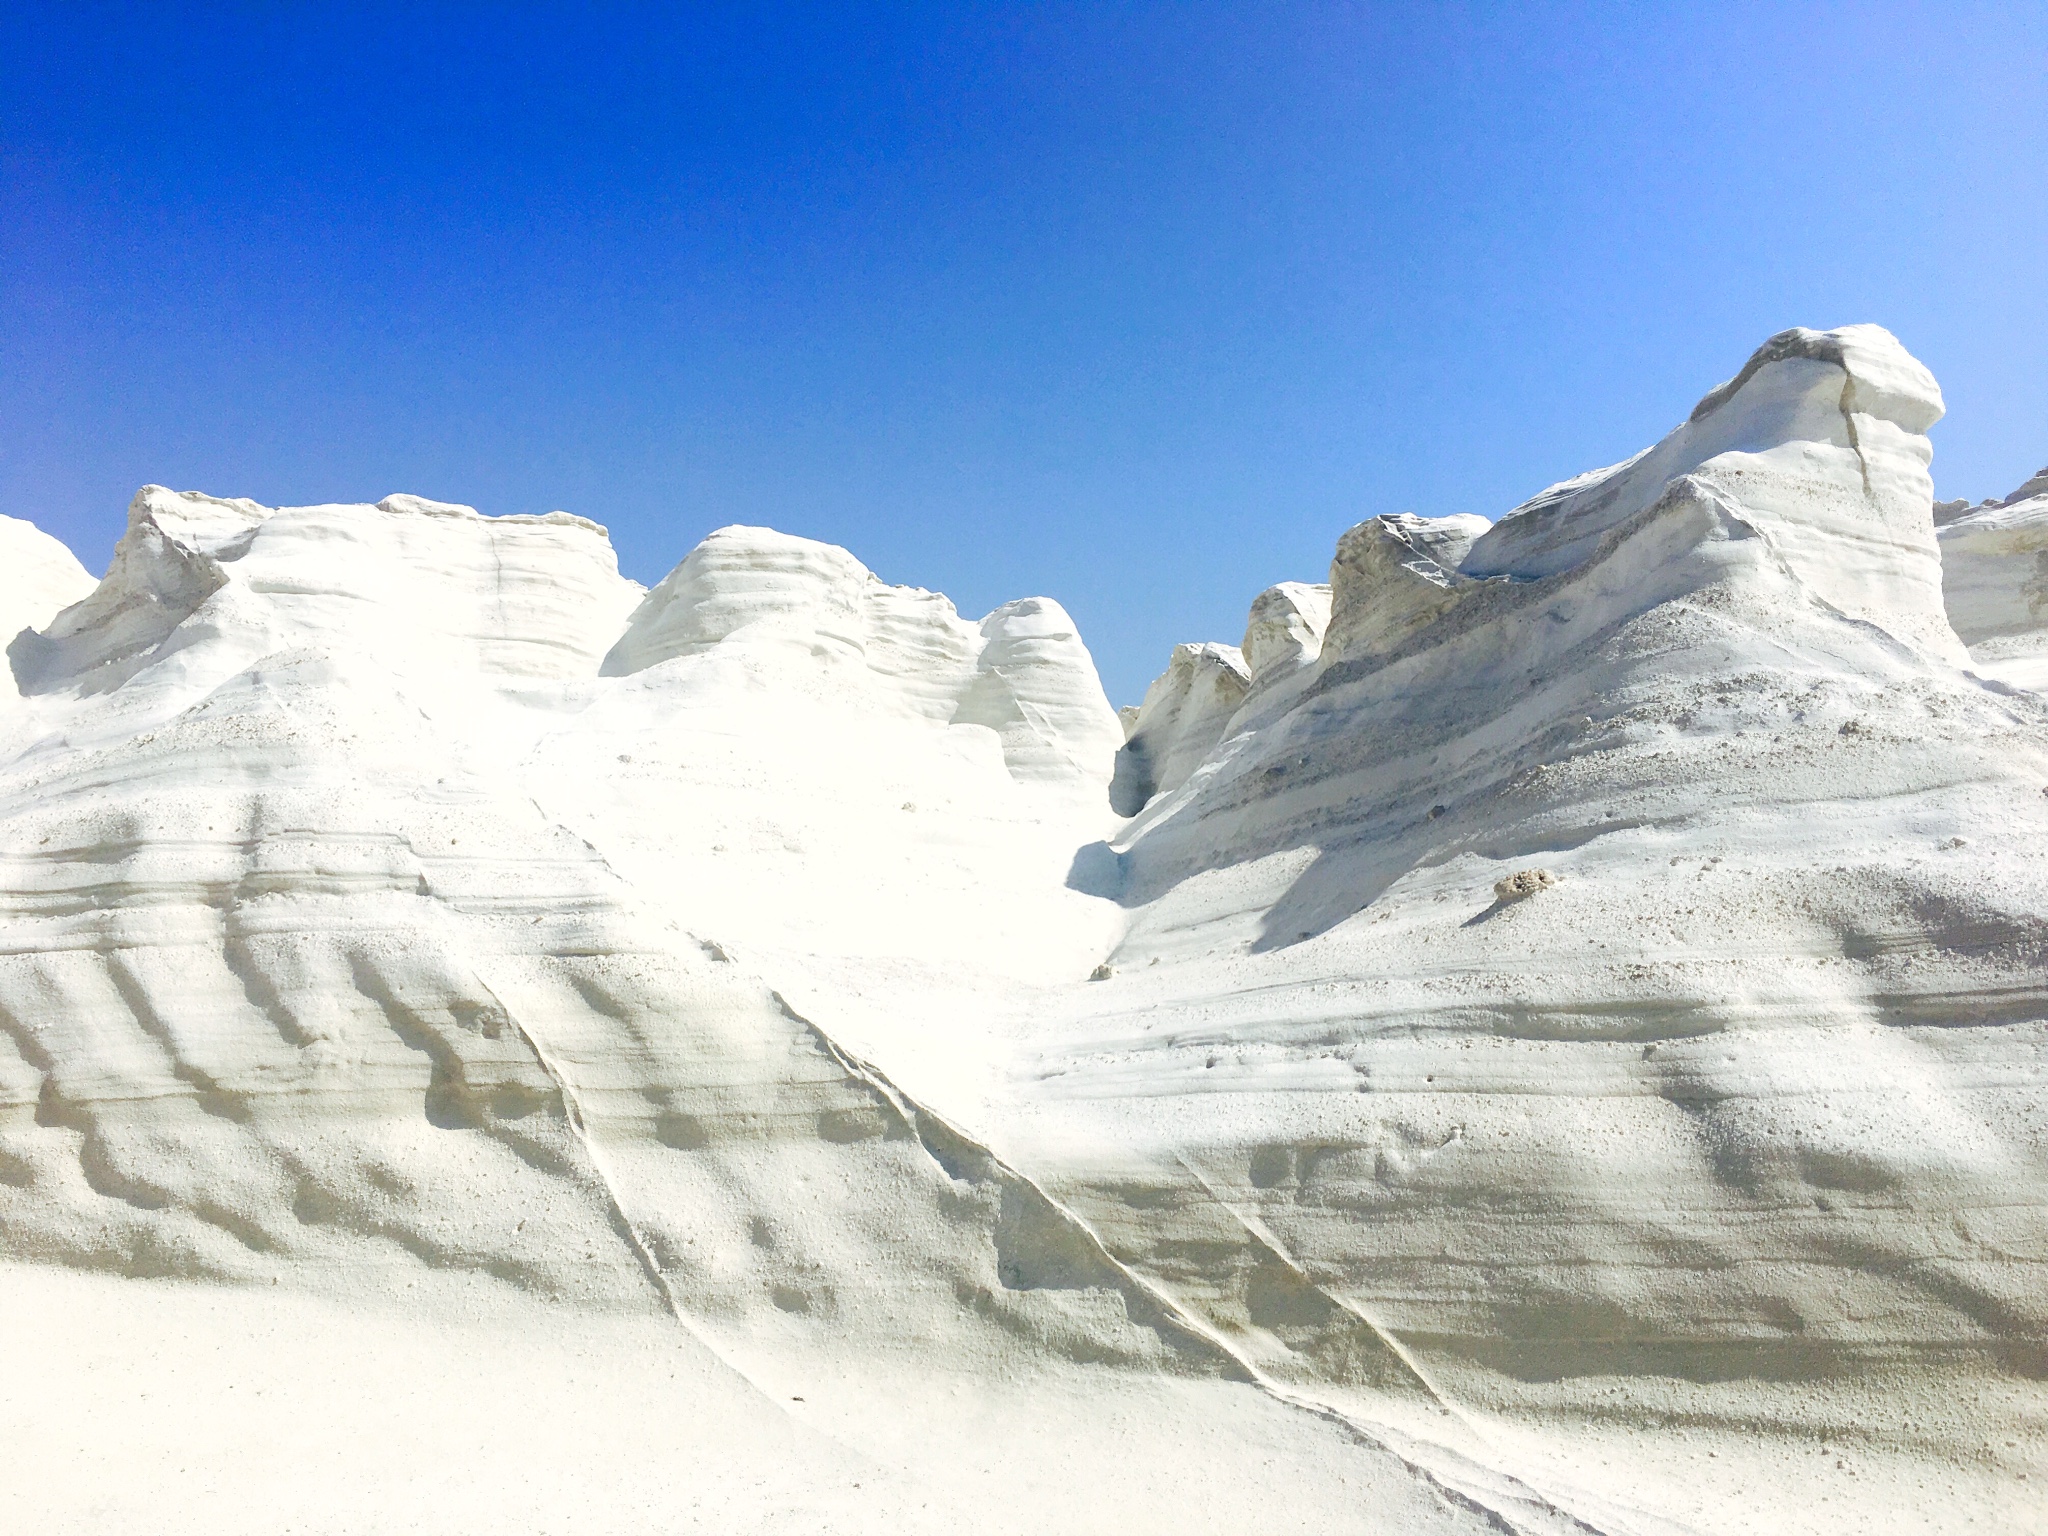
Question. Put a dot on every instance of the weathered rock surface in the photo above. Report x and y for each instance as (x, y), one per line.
(1775, 1037)
(38, 577)
(1994, 572)
(393, 898)
(1185, 713)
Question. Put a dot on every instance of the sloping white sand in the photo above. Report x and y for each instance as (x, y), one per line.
(482, 1046)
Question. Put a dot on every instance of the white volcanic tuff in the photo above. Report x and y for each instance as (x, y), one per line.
(1446, 540)
(345, 989)
(912, 789)
(1022, 672)
(322, 889)
(1701, 1111)
(1994, 573)
(1184, 715)
(623, 1424)
(38, 576)
(1946, 512)
(389, 1026)
(420, 587)
(1209, 691)
(1392, 576)
(1285, 629)
(1822, 434)
(576, 981)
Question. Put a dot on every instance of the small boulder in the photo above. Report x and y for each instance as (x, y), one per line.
(1523, 882)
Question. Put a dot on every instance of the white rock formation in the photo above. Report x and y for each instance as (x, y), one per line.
(422, 588)
(1822, 433)
(1946, 512)
(1208, 690)
(774, 601)
(1738, 1103)
(1392, 577)
(38, 576)
(1994, 575)
(644, 1044)
(1285, 630)
(1184, 715)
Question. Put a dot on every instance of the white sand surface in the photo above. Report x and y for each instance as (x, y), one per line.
(466, 1407)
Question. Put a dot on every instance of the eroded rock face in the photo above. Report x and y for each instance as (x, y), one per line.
(1392, 577)
(38, 577)
(1185, 713)
(320, 959)
(359, 926)
(1741, 1042)
(1821, 435)
(1994, 568)
(1285, 630)
(782, 605)
(389, 890)
(2035, 485)
(414, 586)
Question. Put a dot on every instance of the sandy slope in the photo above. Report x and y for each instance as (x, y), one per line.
(610, 1058)
(147, 1406)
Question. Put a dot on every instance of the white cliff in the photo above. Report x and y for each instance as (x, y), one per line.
(1715, 1102)
(38, 576)
(1822, 433)
(1285, 630)
(1559, 1047)
(1994, 574)
(1184, 715)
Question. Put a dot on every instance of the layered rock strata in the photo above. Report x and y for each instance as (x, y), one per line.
(1994, 571)
(1751, 1098)
(1570, 995)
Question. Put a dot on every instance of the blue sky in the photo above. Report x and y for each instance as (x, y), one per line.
(1138, 306)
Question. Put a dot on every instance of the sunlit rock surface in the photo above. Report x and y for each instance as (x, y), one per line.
(1184, 715)
(1285, 629)
(1556, 1042)
(1994, 569)
(38, 577)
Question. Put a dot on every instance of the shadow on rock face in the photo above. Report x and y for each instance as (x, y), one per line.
(1097, 870)
(1342, 882)
(1132, 783)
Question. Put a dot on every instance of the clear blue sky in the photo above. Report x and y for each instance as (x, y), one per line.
(1138, 306)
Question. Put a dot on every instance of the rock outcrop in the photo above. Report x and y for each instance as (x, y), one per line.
(423, 588)
(38, 577)
(1718, 1106)
(1994, 573)
(1393, 577)
(781, 606)
(1185, 713)
(1822, 435)
(1559, 1041)
(1390, 575)
(1285, 630)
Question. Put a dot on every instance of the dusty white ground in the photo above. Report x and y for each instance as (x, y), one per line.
(482, 1046)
